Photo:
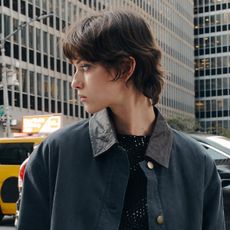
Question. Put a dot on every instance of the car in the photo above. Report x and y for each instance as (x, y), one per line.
(20, 185)
(218, 147)
(13, 151)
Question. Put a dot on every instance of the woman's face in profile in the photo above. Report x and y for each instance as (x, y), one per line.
(95, 86)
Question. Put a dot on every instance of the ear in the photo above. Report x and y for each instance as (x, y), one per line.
(128, 67)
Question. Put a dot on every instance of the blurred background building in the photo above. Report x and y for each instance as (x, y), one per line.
(212, 64)
(44, 75)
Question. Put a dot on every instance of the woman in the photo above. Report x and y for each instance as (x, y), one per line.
(124, 168)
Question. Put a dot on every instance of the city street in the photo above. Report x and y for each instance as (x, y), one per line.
(7, 223)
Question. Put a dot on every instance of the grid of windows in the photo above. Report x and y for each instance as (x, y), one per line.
(45, 75)
(212, 64)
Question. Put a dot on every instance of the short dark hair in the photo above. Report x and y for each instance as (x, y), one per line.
(111, 38)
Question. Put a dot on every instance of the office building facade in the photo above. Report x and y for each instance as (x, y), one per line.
(45, 75)
(212, 64)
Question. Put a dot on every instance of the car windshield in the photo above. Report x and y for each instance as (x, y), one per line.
(223, 141)
(218, 142)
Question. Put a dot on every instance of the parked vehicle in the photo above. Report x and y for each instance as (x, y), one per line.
(218, 147)
(13, 151)
(20, 185)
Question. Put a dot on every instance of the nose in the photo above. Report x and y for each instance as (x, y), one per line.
(76, 81)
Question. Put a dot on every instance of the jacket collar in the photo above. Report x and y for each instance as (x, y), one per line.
(103, 137)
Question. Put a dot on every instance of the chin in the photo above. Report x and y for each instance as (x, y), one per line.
(92, 110)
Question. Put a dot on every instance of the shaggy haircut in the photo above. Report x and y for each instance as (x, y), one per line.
(110, 39)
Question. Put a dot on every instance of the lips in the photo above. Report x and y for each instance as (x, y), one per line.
(82, 98)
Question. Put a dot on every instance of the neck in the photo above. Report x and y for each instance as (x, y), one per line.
(136, 117)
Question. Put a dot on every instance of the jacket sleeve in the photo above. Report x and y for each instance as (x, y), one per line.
(35, 203)
(213, 212)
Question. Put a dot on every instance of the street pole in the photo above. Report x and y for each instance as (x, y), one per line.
(5, 89)
(4, 71)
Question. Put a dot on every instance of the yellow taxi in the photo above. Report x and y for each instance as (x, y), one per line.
(13, 151)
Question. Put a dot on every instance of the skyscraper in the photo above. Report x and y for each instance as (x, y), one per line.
(212, 64)
(44, 74)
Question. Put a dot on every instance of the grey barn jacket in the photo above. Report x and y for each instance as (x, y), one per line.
(76, 180)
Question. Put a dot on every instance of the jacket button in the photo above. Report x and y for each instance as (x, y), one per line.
(150, 165)
(160, 219)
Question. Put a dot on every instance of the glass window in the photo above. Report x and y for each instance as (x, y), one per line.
(208, 106)
(212, 20)
(218, 19)
(71, 93)
(201, 85)
(51, 45)
(224, 40)
(225, 83)
(23, 36)
(31, 36)
(59, 93)
(225, 18)
(213, 44)
(32, 89)
(15, 27)
(44, 4)
(24, 81)
(37, 2)
(18, 153)
(225, 104)
(39, 84)
(7, 25)
(65, 90)
(52, 87)
(46, 86)
(208, 84)
(57, 8)
(213, 105)
(219, 83)
(63, 9)
(206, 19)
(38, 39)
(218, 40)
(213, 63)
(45, 37)
(219, 62)
(69, 11)
(213, 85)
(50, 2)
(219, 104)
(58, 47)
(225, 61)
(201, 21)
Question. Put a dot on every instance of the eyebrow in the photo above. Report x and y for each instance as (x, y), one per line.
(78, 61)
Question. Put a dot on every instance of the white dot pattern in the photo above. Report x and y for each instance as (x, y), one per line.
(134, 214)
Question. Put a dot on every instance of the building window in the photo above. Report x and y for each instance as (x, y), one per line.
(52, 87)
(32, 87)
(39, 84)
(24, 81)
(31, 37)
(46, 86)
(38, 39)
(59, 93)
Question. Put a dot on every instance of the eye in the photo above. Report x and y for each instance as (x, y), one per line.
(85, 67)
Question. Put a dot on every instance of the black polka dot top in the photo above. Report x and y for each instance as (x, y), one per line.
(134, 214)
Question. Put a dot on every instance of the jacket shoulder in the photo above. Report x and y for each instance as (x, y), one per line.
(69, 132)
(190, 149)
